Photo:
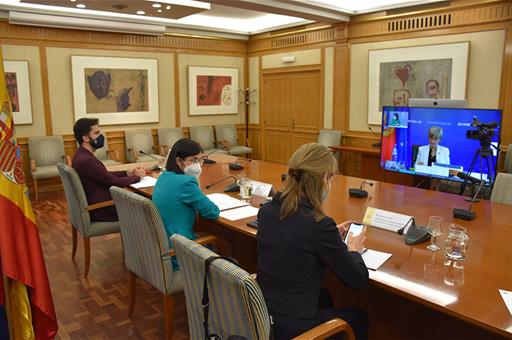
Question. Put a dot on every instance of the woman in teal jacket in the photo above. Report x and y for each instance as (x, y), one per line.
(177, 194)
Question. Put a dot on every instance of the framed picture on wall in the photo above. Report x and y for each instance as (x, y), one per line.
(397, 74)
(212, 90)
(115, 90)
(18, 87)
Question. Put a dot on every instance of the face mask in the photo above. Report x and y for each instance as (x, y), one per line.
(193, 169)
(98, 142)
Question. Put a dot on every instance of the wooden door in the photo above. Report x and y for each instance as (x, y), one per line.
(292, 112)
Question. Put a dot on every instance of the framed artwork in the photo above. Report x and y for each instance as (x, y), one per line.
(18, 87)
(115, 90)
(433, 71)
(212, 90)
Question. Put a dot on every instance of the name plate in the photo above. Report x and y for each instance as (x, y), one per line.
(261, 189)
(385, 219)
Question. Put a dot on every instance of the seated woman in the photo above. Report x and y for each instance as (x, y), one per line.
(433, 153)
(296, 242)
(177, 194)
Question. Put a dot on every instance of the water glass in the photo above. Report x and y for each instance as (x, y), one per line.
(245, 185)
(435, 229)
(456, 244)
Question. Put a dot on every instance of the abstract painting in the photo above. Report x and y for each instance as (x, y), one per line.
(18, 87)
(213, 90)
(115, 90)
(396, 75)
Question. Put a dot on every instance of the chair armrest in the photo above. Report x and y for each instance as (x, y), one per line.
(116, 154)
(68, 160)
(326, 330)
(134, 153)
(163, 150)
(99, 205)
(208, 239)
(33, 166)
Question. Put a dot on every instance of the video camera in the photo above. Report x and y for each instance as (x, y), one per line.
(484, 133)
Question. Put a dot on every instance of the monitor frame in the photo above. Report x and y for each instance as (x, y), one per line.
(438, 103)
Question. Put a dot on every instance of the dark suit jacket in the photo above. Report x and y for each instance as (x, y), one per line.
(97, 180)
(293, 254)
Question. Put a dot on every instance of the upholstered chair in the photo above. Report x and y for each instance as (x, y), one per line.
(79, 213)
(502, 190)
(508, 160)
(330, 138)
(147, 253)
(227, 134)
(236, 304)
(205, 137)
(44, 153)
(140, 140)
(167, 137)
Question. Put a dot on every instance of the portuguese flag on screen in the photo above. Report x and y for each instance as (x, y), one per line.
(25, 292)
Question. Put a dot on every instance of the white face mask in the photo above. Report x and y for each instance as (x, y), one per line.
(193, 169)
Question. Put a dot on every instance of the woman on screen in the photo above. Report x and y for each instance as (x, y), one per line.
(296, 242)
(433, 153)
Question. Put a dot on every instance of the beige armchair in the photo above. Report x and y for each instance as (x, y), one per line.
(227, 135)
(205, 137)
(140, 140)
(167, 137)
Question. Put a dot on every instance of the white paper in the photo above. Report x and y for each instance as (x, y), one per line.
(374, 259)
(261, 189)
(507, 298)
(225, 202)
(146, 182)
(239, 213)
(385, 219)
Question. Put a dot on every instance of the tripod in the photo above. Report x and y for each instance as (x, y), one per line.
(483, 154)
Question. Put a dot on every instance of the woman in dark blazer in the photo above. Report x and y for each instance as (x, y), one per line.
(296, 242)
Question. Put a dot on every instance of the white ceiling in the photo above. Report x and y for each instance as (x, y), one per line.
(227, 18)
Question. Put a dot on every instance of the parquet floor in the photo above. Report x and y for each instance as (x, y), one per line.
(96, 307)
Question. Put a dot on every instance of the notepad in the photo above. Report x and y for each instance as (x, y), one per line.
(225, 202)
(146, 182)
(239, 213)
(373, 259)
(507, 298)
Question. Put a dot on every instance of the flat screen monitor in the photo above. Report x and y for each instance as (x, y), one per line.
(441, 103)
(409, 134)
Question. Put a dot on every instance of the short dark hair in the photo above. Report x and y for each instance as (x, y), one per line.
(82, 128)
(183, 148)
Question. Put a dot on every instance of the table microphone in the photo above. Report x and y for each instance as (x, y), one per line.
(207, 160)
(359, 193)
(156, 166)
(464, 214)
(235, 166)
(233, 187)
(378, 144)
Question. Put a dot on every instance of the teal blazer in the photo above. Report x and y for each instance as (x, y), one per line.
(178, 199)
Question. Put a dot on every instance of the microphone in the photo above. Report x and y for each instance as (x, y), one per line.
(359, 193)
(156, 166)
(206, 160)
(233, 187)
(414, 233)
(235, 166)
(464, 214)
(378, 144)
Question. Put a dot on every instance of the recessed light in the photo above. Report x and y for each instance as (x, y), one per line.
(168, 7)
(141, 12)
(156, 5)
(159, 10)
(81, 6)
(72, 0)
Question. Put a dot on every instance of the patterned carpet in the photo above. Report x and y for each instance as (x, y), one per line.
(97, 307)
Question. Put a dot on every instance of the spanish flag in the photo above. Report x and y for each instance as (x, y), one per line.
(24, 287)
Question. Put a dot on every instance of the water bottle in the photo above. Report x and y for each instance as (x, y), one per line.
(394, 154)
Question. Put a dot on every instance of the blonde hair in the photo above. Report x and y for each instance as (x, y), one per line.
(435, 132)
(308, 167)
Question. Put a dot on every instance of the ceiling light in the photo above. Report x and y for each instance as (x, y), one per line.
(81, 6)
(72, 0)
(141, 12)
(168, 7)
(159, 10)
(156, 5)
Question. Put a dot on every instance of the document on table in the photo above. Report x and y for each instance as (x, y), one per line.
(225, 202)
(374, 259)
(507, 298)
(383, 219)
(146, 182)
(239, 213)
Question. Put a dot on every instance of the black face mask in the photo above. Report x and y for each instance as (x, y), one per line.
(98, 142)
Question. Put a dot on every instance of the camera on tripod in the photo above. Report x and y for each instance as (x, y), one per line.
(484, 133)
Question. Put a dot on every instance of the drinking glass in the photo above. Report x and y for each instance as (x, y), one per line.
(456, 243)
(245, 185)
(435, 229)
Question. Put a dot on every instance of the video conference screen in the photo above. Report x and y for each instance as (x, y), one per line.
(437, 142)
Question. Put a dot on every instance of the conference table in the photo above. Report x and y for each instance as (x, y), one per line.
(416, 294)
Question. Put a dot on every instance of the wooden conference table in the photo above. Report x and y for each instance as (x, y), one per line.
(414, 285)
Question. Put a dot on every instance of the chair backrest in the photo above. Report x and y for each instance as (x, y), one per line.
(415, 150)
(46, 150)
(329, 137)
(75, 195)
(502, 190)
(237, 306)
(169, 136)
(227, 132)
(145, 242)
(138, 140)
(508, 160)
(203, 135)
